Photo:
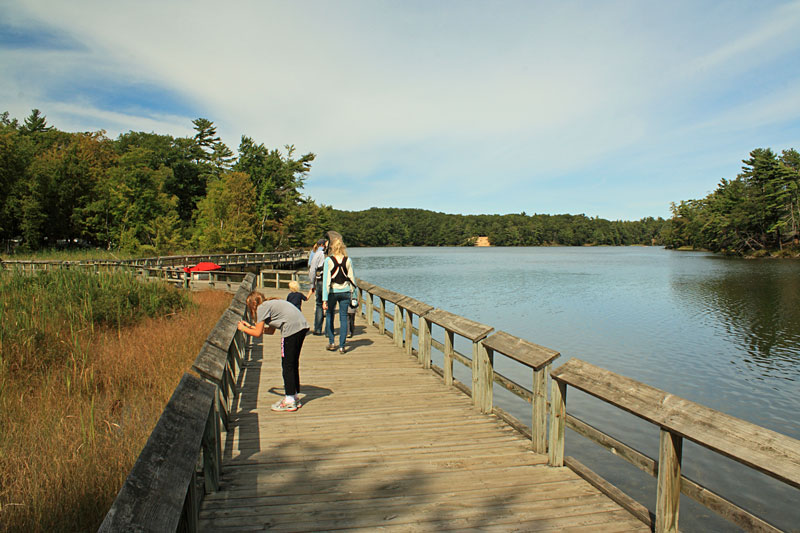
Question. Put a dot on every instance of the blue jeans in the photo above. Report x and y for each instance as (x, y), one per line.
(319, 316)
(343, 298)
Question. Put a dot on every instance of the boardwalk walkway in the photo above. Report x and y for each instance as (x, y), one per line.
(382, 443)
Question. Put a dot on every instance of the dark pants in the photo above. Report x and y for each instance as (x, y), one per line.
(319, 313)
(290, 361)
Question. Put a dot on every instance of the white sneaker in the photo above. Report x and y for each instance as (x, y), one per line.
(283, 405)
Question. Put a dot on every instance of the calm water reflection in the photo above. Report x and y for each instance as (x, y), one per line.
(721, 332)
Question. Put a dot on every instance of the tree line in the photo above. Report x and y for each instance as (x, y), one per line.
(150, 193)
(418, 227)
(756, 213)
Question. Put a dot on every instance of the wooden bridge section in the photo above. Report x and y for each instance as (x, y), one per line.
(380, 442)
(388, 439)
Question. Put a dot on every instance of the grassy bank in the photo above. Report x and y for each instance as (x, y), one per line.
(88, 362)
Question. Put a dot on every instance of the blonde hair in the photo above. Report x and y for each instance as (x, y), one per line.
(294, 286)
(337, 248)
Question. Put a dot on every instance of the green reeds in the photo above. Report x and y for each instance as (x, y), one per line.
(85, 375)
(44, 315)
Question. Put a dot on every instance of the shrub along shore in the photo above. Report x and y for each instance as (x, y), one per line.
(87, 363)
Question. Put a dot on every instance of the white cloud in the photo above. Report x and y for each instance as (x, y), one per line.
(435, 96)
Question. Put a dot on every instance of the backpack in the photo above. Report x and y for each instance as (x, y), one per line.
(339, 272)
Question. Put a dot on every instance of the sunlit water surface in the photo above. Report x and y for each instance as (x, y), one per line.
(719, 331)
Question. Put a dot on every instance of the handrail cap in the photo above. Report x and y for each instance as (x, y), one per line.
(415, 306)
(465, 327)
(525, 352)
(365, 285)
(767, 451)
(210, 362)
(154, 492)
(386, 294)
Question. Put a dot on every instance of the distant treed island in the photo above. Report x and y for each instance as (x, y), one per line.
(145, 193)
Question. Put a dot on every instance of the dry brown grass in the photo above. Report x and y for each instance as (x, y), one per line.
(68, 439)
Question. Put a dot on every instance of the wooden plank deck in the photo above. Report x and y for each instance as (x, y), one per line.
(381, 443)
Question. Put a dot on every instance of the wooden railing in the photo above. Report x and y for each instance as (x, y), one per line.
(279, 279)
(758, 448)
(173, 262)
(763, 450)
(240, 259)
(161, 492)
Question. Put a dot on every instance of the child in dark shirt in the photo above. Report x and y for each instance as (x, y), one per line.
(295, 296)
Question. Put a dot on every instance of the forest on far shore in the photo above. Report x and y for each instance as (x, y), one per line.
(146, 193)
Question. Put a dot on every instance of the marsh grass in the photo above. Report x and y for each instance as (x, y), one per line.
(85, 375)
(88, 254)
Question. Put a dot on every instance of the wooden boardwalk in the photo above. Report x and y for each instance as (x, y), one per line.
(381, 443)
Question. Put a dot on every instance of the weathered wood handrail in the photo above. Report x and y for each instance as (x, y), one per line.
(160, 492)
(481, 363)
(474, 332)
(539, 359)
(766, 451)
(279, 278)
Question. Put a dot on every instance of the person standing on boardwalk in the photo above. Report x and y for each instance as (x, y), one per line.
(351, 318)
(269, 315)
(295, 296)
(338, 287)
(315, 277)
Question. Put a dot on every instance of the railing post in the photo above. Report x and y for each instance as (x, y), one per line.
(539, 410)
(370, 310)
(448, 357)
(477, 381)
(558, 419)
(669, 482)
(424, 352)
(409, 333)
(212, 452)
(191, 508)
(397, 324)
(485, 377)
(382, 326)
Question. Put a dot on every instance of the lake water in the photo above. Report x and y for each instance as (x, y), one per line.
(722, 332)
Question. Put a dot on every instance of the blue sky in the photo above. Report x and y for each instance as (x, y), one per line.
(611, 109)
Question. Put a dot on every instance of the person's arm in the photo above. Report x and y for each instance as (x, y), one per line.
(326, 276)
(254, 330)
(310, 292)
(312, 267)
(318, 259)
(352, 274)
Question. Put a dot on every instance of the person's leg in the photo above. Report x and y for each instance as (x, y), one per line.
(300, 338)
(318, 311)
(289, 356)
(288, 366)
(344, 301)
(351, 323)
(329, 318)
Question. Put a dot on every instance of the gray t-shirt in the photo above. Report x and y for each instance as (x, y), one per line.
(281, 315)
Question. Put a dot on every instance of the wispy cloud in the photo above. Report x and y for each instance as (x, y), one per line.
(464, 106)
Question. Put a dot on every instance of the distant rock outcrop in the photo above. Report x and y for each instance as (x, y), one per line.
(482, 241)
